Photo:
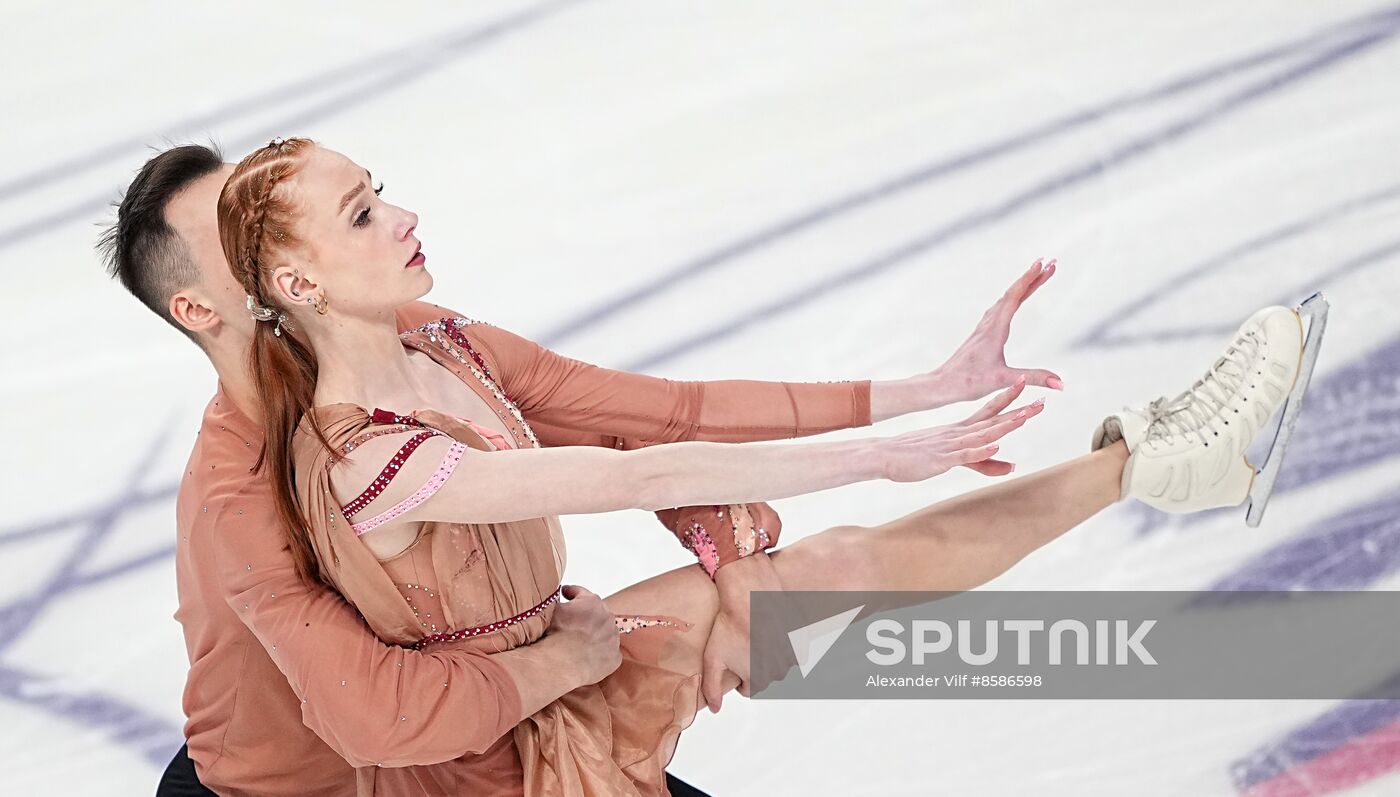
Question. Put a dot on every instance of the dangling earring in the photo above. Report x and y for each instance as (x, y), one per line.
(320, 304)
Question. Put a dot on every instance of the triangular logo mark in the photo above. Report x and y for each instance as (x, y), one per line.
(811, 642)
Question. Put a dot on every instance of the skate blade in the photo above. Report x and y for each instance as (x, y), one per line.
(1314, 310)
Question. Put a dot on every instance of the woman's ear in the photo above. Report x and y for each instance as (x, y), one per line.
(291, 287)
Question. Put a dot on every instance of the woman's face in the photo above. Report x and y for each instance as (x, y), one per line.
(357, 251)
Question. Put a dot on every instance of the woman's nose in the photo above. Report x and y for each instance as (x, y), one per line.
(409, 224)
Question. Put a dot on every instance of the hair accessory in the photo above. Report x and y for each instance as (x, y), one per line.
(260, 313)
(277, 142)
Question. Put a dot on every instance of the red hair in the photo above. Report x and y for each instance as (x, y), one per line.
(257, 221)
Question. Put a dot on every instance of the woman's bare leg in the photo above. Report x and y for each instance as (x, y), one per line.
(962, 542)
(953, 545)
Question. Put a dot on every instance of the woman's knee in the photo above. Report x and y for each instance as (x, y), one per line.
(839, 557)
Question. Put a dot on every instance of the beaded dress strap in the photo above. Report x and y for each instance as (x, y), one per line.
(387, 474)
(431, 486)
(464, 633)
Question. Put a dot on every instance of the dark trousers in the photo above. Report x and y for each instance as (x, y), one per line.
(180, 780)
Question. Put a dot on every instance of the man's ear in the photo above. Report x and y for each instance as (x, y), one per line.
(193, 312)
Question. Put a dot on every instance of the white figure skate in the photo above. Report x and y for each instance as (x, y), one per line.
(1188, 454)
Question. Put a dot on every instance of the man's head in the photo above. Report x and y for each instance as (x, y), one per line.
(164, 246)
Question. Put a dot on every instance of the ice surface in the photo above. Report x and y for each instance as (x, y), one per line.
(783, 190)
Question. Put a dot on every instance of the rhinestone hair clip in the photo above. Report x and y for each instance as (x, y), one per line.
(260, 313)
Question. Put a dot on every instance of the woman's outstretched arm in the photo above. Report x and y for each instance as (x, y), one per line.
(422, 476)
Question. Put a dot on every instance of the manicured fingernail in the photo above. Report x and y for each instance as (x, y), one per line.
(1020, 415)
(1054, 383)
(1052, 263)
(1013, 469)
(993, 448)
(1040, 402)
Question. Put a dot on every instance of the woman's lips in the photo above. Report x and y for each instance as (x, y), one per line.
(417, 260)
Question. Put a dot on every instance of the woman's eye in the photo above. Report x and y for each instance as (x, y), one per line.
(362, 218)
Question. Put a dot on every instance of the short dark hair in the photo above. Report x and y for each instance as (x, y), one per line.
(140, 248)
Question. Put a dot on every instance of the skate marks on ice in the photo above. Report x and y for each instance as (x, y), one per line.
(1350, 745)
(151, 737)
(333, 91)
(1117, 329)
(1271, 71)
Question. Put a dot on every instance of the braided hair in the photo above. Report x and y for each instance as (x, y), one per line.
(257, 222)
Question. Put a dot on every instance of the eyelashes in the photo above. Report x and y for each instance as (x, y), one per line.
(362, 218)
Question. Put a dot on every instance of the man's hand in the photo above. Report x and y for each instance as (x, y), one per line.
(978, 367)
(725, 662)
(591, 633)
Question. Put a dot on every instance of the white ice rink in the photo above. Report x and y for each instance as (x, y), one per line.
(776, 190)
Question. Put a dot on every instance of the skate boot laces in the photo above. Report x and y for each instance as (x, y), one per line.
(1193, 411)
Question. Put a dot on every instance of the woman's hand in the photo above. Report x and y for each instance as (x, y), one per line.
(977, 368)
(925, 453)
(725, 663)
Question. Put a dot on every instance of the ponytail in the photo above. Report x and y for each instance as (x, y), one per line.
(256, 221)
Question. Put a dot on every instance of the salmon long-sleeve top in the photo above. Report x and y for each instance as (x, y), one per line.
(256, 634)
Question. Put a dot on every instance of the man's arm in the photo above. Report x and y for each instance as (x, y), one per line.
(561, 392)
(574, 394)
(373, 703)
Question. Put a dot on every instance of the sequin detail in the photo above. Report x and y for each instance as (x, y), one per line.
(699, 542)
(365, 437)
(432, 485)
(626, 625)
(747, 539)
(453, 329)
(464, 633)
(443, 333)
(386, 475)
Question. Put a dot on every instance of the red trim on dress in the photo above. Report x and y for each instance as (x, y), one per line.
(489, 627)
(454, 331)
(387, 474)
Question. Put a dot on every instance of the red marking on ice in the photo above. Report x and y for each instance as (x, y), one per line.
(1359, 760)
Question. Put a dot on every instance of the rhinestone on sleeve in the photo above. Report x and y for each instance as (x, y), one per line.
(431, 486)
(387, 474)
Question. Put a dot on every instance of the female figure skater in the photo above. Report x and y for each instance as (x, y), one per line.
(412, 484)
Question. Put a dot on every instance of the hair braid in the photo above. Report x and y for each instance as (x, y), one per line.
(250, 212)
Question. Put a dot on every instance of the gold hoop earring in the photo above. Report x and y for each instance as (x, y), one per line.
(321, 304)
